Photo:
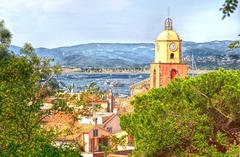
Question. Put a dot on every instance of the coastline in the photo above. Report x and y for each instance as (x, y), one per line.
(72, 71)
(78, 71)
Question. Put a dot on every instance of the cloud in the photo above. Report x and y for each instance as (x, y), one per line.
(208, 26)
(52, 23)
(64, 6)
(45, 22)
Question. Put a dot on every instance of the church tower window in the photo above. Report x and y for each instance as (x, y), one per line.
(173, 73)
(154, 77)
(172, 56)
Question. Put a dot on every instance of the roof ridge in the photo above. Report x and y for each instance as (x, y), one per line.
(110, 118)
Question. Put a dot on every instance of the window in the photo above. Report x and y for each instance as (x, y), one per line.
(154, 78)
(95, 132)
(130, 140)
(172, 56)
(173, 73)
(96, 121)
(109, 129)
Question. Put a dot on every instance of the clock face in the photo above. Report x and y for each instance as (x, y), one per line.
(173, 46)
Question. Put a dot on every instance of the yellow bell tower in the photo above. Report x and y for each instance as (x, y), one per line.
(168, 58)
(168, 45)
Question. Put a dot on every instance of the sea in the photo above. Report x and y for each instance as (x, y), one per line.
(118, 83)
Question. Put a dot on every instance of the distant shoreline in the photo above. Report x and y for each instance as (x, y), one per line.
(78, 71)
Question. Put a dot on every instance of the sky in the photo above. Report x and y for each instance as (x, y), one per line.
(56, 23)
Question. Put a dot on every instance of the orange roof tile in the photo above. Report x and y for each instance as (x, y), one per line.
(99, 101)
(61, 118)
(109, 119)
(49, 100)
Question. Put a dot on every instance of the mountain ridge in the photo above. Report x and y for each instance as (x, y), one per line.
(211, 54)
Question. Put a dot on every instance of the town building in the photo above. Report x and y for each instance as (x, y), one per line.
(70, 131)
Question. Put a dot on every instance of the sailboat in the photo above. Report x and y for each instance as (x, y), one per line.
(193, 66)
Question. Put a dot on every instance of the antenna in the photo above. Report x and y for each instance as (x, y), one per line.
(168, 12)
(168, 21)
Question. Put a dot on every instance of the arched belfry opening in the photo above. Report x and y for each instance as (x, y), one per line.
(172, 56)
(173, 73)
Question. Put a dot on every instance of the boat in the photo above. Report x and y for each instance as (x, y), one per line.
(116, 84)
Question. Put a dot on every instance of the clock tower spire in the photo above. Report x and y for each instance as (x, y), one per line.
(168, 45)
(168, 57)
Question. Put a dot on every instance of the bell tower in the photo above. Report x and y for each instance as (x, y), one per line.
(168, 58)
(168, 45)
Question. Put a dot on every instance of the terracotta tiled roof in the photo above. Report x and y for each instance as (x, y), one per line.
(73, 133)
(105, 118)
(98, 154)
(99, 102)
(109, 119)
(49, 100)
(62, 118)
(67, 126)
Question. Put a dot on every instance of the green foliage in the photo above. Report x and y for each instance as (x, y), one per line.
(234, 45)
(229, 7)
(21, 99)
(114, 143)
(93, 88)
(28, 50)
(5, 40)
(192, 117)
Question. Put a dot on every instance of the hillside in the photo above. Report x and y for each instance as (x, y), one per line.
(115, 55)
